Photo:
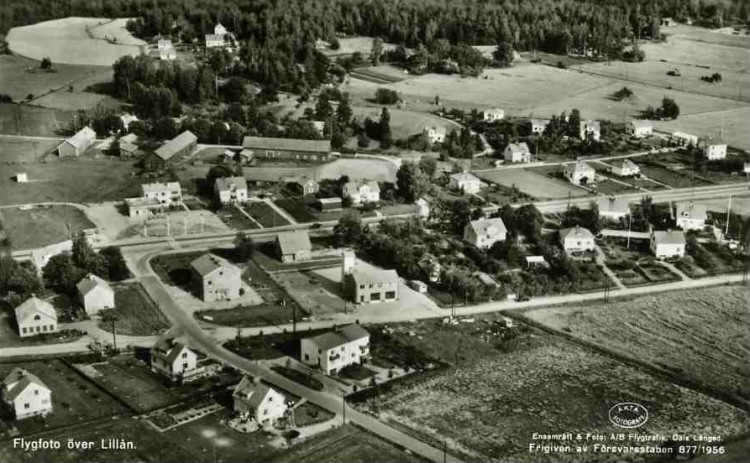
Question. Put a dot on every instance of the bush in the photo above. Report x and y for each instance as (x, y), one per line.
(386, 96)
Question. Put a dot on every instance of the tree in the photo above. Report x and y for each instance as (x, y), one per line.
(669, 108)
(384, 129)
(363, 141)
(344, 112)
(83, 254)
(323, 109)
(503, 54)
(234, 90)
(46, 63)
(244, 246)
(428, 166)
(348, 230)
(411, 182)
(377, 51)
(574, 123)
(386, 96)
(117, 268)
(60, 273)
(622, 94)
(19, 278)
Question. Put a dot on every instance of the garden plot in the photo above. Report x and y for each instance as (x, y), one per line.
(532, 183)
(505, 390)
(697, 334)
(68, 41)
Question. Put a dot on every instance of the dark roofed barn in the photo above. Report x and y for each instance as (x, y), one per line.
(287, 148)
(162, 157)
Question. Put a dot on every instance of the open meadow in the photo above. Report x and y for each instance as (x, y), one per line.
(532, 183)
(68, 41)
(15, 150)
(33, 120)
(521, 381)
(41, 226)
(700, 334)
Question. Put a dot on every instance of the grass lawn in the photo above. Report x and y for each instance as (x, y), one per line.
(174, 269)
(84, 180)
(265, 214)
(33, 120)
(609, 188)
(74, 398)
(271, 346)
(267, 313)
(298, 209)
(42, 225)
(534, 182)
(136, 313)
(15, 150)
(356, 372)
(299, 377)
(669, 177)
(234, 218)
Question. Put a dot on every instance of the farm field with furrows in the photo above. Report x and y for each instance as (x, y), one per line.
(699, 334)
(508, 387)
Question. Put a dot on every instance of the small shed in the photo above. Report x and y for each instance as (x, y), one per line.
(418, 286)
(21, 177)
(329, 204)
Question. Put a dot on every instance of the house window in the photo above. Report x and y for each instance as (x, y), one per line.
(37, 317)
(390, 295)
(361, 286)
(36, 391)
(307, 357)
(375, 296)
(24, 330)
(184, 366)
(26, 406)
(184, 355)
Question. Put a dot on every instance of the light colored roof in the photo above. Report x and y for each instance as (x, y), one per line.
(641, 124)
(714, 141)
(619, 205)
(679, 134)
(33, 306)
(253, 393)
(691, 210)
(591, 125)
(208, 263)
(158, 187)
(129, 138)
(354, 187)
(371, 275)
(438, 129)
(20, 379)
(245, 153)
(669, 237)
(489, 227)
(581, 167)
(539, 121)
(303, 180)
(178, 143)
(83, 137)
(338, 338)
(486, 279)
(91, 282)
(142, 202)
(286, 144)
(576, 232)
(329, 200)
(494, 111)
(535, 259)
(214, 37)
(295, 241)
(519, 147)
(624, 163)
(462, 177)
(226, 184)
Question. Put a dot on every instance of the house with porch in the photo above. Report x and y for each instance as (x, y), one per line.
(230, 190)
(334, 350)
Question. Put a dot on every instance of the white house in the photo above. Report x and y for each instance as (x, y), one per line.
(747, 168)
(714, 149)
(666, 244)
(25, 395)
(166, 193)
(614, 209)
(423, 208)
(492, 115)
(220, 30)
(362, 192)
(219, 280)
(255, 400)
(231, 190)
(35, 316)
(435, 134)
(690, 216)
(22, 177)
(576, 239)
(174, 359)
(214, 41)
(465, 182)
(517, 152)
(684, 139)
(538, 126)
(167, 54)
(483, 233)
(319, 126)
(95, 294)
(590, 129)
(624, 168)
(639, 128)
(579, 173)
(78, 143)
(336, 349)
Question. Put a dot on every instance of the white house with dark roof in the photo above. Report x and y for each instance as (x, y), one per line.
(538, 126)
(304, 185)
(614, 209)
(668, 244)
(253, 399)
(230, 190)
(624, 168)
(517, 152)
(173, 359)
(639, 128)
(95, 294)
(577, 239)
(25, 395)
(714, 149)
(219, 280)
(691, 216)
(166, 193)
(35, 316)
(590, 129)
(465, 182)
(293, 246)
(78, 143)
(492, 115)
(435, 134)
(362, 192)
(483, 233)
(579, 173)
(366, 284)
(336, 349)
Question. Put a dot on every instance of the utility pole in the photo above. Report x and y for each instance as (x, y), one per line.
(729, 210)
(294, 319)
(630, 222)
(114, 332)
(343, 409)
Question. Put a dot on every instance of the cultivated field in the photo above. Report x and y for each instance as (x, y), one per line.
(733, 122)
(15, 150)
(33, 120)
(67, 41)
(507, 388)
(532, 183)
(74, 399)
(135, 312)
(84, 180)
(357, 169)
(384, 74)
(43, 225)
(698, 334)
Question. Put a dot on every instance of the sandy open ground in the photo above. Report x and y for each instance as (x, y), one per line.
(66, 41)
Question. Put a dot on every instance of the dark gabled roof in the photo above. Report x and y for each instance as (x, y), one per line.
(225, 184)
(90, 282)
(23, 379)
(334, 339)
(286, 144)
(208, 263)
(178, 143)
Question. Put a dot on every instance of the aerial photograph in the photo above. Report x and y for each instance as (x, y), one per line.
(374, 231)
